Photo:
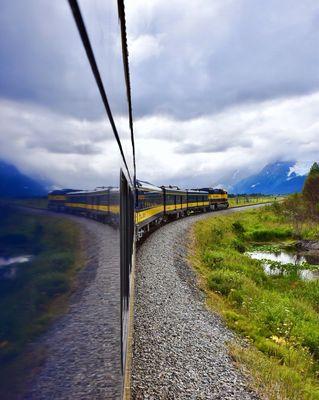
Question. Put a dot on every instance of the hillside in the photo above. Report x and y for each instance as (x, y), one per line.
(13, 183)
(276, 178)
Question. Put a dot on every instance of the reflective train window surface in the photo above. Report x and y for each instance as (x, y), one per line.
(66, 200)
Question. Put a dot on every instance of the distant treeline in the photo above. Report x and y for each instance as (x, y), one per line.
(232, 195)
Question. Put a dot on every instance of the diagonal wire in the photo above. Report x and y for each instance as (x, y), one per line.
(90, 54)
(125, 54)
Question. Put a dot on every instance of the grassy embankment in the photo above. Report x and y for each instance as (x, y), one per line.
(277, 315)
(39, 291)
(33, 202)
(240, 201)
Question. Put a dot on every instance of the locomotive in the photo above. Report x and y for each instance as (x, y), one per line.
(153, 205)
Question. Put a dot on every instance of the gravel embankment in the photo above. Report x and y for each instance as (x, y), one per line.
(83, 347)
(179, 347)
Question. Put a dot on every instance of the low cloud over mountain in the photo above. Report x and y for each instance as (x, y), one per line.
(276, 178)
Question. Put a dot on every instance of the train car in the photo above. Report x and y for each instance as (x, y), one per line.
(218, 198)
(79, 52)
(57, 199)
(149, 206)
(197, 201)
(175, 201)
(101, 204)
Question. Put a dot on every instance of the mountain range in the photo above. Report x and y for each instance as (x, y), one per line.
(276, 178)
(13, 183)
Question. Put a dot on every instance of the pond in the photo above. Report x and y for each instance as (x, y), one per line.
(283, 257)
(8, 269)
(5, 261)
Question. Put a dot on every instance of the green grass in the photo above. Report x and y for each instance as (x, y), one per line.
(240, 201)
(33, 202)
(39, 292)
(278, 315)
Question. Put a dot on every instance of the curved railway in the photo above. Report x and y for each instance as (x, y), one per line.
(153, 205)
(179, 347)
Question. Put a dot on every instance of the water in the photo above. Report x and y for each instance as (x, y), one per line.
(8, 268)
(285, 257)
(5, 261)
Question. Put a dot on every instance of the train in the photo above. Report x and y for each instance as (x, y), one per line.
(154, 205)
(132, 208)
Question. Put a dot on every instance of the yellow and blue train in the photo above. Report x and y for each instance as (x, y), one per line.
(153, 205)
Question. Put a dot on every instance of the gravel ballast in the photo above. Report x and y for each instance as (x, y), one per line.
(83, 346)
(179, 346)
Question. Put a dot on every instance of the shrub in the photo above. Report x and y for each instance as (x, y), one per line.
(265, 235)
(224, 281)
(239, 245)
(217, 234)
(213, 259)
(238, 228)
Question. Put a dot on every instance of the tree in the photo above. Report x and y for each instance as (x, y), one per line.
(311, 189)
(314, 169)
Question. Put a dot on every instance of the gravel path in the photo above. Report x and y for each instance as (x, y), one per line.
(179, 347)
(83, 346)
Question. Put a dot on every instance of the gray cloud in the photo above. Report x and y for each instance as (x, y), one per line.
(220, 88)
(43, 60)
(213, 55)
(217, 146)
(66, 148)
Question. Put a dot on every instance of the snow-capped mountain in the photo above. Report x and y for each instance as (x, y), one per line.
(276, 178)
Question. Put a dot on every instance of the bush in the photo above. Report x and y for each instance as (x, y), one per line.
(238, 228)
(266, 235)
(213, 259)
(217, 234)
(224, 281)
(239, 245)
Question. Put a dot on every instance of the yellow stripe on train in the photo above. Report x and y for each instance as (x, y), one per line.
(114, 209)
(56, 197)
(143, 215)
(217, 196)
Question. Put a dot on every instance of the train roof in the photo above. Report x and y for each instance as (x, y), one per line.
(196, 191)
(176, 190)
(212, 190)
(97, 190)
(147, 186)
(63, 191)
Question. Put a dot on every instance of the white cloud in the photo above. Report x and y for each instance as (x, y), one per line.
(215, 149)
(143, 47)
(210, 149)
(220, 88)
(63, 150)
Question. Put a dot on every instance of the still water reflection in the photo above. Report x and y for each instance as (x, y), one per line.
(284, 257)
(5, 261)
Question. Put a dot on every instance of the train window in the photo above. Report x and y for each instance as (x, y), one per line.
(65, 101)
(149, 199)
(170, 199)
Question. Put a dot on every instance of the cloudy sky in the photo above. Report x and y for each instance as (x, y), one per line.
(220, 88)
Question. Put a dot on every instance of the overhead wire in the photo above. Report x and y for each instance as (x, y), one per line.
(90, 55)
(125, 54)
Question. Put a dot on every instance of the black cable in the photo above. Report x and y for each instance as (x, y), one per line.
(121, 9)
(90, 54)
